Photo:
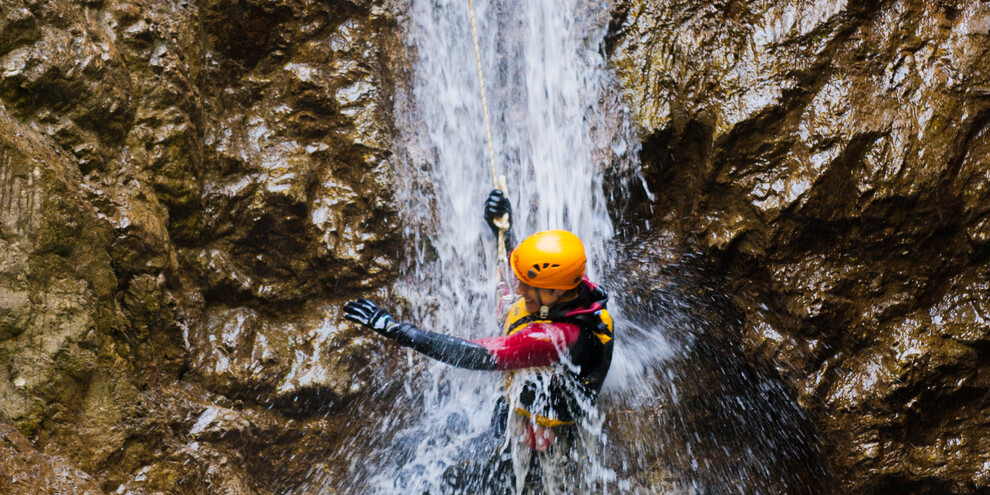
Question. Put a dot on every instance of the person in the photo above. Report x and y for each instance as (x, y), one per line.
(556, 344)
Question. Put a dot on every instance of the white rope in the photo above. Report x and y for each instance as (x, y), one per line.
(498, 181)
(484, 98)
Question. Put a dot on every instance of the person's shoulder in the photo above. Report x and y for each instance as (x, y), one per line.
(516, 311)
(596, 294)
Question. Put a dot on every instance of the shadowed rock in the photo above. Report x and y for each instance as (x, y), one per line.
(831, 157)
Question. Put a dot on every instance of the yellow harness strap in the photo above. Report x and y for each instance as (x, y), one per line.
(607, 320)
(541, 419)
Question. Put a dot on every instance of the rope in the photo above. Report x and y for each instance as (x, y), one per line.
(503, 293)
(503, 225)
(498, 181)
(484, 98)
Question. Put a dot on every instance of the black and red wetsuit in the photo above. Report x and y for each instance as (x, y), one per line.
(580, 327)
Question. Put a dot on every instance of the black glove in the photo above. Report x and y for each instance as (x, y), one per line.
(368, 314)
(495, 206)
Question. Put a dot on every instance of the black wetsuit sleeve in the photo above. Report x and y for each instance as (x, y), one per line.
(450, 350)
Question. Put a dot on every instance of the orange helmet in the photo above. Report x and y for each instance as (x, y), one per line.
(553, 259)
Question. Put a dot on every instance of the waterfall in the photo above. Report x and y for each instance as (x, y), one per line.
(560, 134)
(546, 77)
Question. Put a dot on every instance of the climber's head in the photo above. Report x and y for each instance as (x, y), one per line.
(548, 265)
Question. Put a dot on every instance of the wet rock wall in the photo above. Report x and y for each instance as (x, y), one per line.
(188, 190)
(830, 159)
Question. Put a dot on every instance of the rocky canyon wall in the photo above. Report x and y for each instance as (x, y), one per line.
(188, 190)
(830, 159)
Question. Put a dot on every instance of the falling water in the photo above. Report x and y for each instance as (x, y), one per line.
(559, 131)
(545, 74)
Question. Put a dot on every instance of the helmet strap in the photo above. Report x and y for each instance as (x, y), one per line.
(544, 309)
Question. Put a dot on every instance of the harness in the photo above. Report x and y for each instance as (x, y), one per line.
(555, 403)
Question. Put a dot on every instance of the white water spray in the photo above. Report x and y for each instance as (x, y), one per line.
(692, 417)
(554, 139)
(546, 76)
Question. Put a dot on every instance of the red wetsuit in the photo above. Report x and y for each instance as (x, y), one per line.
(539, 344)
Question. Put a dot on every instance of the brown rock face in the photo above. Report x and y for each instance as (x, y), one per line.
(187, 192)
(27, 471)
(831, 159)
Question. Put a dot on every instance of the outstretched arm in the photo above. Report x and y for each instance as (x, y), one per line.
(539, 344)
(451, 350)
